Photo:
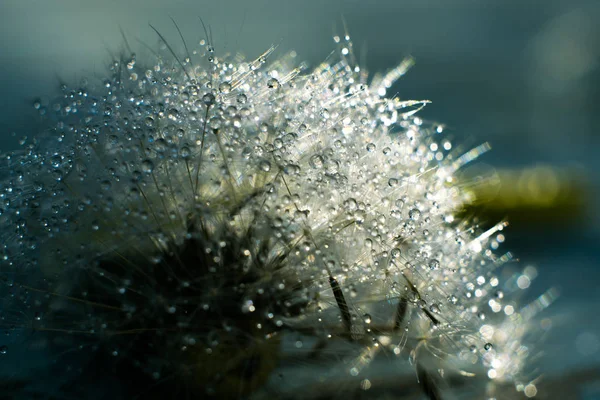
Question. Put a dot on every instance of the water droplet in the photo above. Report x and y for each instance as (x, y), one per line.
(414, 214)
(371, 147)
(3, 349)
(147, 166)
(488, 346)
(185, 152)
(350, 204)
(395, 252)
(291, 169)
(225, 87)
(208, 99)
(434, 264)
(105, 185)
(173, 114)
(242, 98)
(264, 165)
(365, 384)
(56, 161)
(273, 83)
(413, 296)
(316, 161)
(57, 175)
(367, 318)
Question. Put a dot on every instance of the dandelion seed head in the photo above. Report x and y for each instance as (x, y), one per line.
(204, 201)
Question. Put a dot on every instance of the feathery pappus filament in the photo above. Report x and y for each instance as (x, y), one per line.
(194, 224)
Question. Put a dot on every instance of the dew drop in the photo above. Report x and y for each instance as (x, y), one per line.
(56, 161)
(147, 166)
(173, 114)
(350, 204)
(225, 87)
(273, 83)
(265, 166)
(208, 99)
(291, 169)
(434, 264)
(413, 296)
(316, 161)
(414, 214)
(105, 185)
(185, 152)
(488, 346)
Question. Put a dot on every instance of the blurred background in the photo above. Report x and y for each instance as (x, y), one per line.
(522, 75)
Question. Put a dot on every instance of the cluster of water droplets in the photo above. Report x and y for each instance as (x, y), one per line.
(351, 188)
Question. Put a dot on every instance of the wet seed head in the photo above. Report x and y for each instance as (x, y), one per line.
(187, 216)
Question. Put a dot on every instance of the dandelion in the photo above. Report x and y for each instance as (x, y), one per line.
(189, 222)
